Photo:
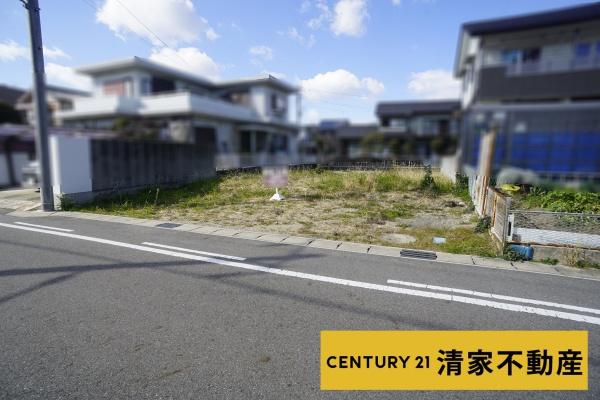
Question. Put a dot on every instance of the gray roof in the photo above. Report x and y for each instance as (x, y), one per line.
(138, 62)
(355, 131)
(10, 95)
(408, 108)
(543, 19)
(159, 68)
(266, 80)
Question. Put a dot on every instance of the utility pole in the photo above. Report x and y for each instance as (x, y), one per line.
(41, 111)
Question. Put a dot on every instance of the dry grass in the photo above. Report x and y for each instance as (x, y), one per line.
(359, 206)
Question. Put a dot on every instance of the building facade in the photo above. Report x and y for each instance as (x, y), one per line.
(535, 79)
(58, 99)
(243, 122)
(421, 130)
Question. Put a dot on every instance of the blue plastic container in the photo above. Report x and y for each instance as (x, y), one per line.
(526, 251)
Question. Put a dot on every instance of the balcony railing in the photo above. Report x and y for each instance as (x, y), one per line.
(544, 67)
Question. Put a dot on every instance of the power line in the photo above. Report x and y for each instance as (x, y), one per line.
(150, 30)
(153, 46)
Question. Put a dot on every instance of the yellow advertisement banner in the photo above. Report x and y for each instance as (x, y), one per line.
(454, 360)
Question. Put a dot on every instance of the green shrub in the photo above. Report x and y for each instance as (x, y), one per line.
(483, 224)
(586, 264)
(564, 200)
(427, 182)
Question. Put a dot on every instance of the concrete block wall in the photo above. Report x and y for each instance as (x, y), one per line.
(565, 255)
(84, 168)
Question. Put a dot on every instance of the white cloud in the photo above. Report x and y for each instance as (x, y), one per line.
(324, 15)
(63, 75)
(188, 59)
(350, 18)
(11, 51)
(434, 84)
(306, 41)
(264, 52)
(305, 6)
(211, 34)
(373, 85)
(340, 83)
(55, 52)
(396, 2)
(174, 21)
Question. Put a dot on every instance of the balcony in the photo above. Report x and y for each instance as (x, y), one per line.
(173, 103)
(101, 106)
(188, 103)
(497, 83)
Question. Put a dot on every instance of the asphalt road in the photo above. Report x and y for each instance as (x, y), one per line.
(84, 313)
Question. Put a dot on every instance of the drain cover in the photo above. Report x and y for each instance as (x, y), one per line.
(428, 255)
(168, 225)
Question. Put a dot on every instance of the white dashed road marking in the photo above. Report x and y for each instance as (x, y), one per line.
(327, 279)
(205, 253)
(45, 227)
(495, 296)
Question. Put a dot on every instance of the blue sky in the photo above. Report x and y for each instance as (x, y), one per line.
(345, 54)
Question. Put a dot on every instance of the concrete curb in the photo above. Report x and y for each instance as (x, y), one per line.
(360, 248)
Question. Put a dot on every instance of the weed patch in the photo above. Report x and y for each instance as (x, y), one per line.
(357, 206)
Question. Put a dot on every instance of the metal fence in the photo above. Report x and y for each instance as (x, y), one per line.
(555, 228)
(532, 227)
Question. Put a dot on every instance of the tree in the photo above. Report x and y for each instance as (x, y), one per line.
(372, 143)
(9, 115)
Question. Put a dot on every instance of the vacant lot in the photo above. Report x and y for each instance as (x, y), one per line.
(398, 207)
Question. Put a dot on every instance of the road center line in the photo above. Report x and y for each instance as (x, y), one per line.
(45, 227)
(495, 296)
(328, 279)
(205, 253)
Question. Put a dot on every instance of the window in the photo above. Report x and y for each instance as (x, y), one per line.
(279, 143)
(161, 85)
(582, 54)
(277, 103)
(582, 50)
(65, 105)
(146, 86)
(399, 124)
(117, 87)
(511, 57)
(531, 55)
(531, 60)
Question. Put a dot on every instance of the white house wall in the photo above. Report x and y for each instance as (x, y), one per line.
(70, 160)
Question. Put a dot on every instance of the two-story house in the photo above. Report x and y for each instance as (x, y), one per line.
(57, 98)
(535, 79)
(420, 129)
(244, 122)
